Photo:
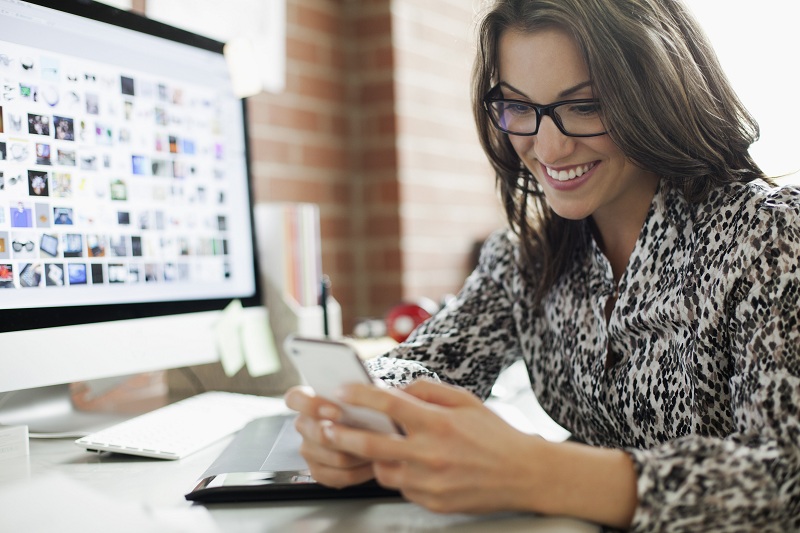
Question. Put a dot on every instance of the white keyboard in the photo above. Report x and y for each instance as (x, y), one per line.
(179, 429)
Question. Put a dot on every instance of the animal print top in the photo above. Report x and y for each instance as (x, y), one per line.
(704, 386)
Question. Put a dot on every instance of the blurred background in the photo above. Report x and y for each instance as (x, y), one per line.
(363, 109)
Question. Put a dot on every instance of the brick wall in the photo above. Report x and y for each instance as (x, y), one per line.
(447, 191)
(375, 127)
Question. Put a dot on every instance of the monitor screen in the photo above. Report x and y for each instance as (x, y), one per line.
(125, 207)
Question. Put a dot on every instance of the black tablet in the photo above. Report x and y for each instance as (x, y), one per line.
(263, 463)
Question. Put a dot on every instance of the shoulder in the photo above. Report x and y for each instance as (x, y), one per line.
(753, 202)
(499, 242)
(752, 214)
(500, 251)
(751, 232)
(779, 208)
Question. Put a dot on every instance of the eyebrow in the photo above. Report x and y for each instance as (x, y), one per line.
(574, 89)
(562, 94)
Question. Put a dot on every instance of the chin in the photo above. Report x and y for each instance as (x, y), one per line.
(570, 211)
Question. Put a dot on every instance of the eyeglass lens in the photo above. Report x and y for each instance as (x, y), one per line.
(18, 246)
(11, 180)
(576, 117)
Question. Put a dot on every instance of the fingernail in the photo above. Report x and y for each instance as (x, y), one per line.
(329, 412)
(343, 393)
(329, 432)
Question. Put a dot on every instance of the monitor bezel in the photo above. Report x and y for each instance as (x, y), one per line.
(24, 319)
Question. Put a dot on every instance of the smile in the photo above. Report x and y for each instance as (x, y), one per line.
(571, 174)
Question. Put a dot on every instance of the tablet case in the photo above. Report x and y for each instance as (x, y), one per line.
(263, 463)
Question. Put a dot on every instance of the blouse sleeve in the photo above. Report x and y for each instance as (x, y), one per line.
(749, 481)
(472, 339)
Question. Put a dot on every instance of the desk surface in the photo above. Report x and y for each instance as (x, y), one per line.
(156, 485)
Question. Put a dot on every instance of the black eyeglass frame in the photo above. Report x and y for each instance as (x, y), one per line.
(19, 245)
(541, 111)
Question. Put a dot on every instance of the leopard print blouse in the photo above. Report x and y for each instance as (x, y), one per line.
(703, 389)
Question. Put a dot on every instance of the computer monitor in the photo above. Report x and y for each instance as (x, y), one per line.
(125, 205)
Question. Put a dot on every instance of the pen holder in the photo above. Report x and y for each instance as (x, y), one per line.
(289, 317)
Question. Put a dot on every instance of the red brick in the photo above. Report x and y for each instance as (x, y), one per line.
(323, 156)
(270, 150)
(385, 225)
(291, 117)
(383, 260)
(378, 158)
(302, 50)
(382, 192)
(379, 91)
(373, 25)
(315, 19)
(317, 87)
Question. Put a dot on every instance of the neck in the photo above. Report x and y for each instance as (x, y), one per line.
(617, 230)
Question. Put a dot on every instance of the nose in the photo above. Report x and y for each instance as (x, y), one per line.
(549, 144)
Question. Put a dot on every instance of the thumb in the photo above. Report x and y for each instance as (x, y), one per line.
(441, 393)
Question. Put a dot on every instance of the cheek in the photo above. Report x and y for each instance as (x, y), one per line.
(603, 145)
(522, 145)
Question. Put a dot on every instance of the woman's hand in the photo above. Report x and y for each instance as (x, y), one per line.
(327, 465)
(456, 454)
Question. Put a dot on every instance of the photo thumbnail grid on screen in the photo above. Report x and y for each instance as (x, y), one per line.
(111, 177)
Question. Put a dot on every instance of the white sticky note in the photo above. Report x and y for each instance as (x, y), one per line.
(228, 337)
(260, 353)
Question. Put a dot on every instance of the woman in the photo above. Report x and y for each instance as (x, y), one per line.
(649, 281)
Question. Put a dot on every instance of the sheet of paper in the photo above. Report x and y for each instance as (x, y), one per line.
(13, 442)
(88, 510)
(260, 353)
(229, 340)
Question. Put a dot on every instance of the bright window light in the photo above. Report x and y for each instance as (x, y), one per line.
(757, 44)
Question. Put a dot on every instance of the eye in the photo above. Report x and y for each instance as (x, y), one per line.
(585, 109)
(517, 108)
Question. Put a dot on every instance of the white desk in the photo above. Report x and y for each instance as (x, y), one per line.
(59, 485)
(150, 484)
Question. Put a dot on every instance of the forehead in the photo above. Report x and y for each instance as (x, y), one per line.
(542, 63)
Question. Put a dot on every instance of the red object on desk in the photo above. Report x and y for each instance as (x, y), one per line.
(403, 318)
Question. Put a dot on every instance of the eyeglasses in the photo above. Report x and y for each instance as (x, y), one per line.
(8, 182)
(573, 118)
(18, 246)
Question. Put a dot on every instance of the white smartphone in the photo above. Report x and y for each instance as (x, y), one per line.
(326, 366)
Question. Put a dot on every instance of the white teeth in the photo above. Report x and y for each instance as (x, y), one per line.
(563, 175)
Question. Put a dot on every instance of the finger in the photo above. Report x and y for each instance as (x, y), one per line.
(389, 474)
(318, 446)
(339, 478)
(311, 428)
(316, 453)
(405, 409)
(299, 399)
(303, 400)
(327, 465)
(369, 444)
(441, 393)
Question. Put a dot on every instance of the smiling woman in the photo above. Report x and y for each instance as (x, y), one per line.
(648, 280)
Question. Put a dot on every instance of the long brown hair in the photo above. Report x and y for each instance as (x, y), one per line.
(665, 101)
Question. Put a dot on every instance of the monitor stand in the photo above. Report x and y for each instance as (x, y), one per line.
(51, 412)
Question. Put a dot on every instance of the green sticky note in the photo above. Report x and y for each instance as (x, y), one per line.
(229, 339)
(260, 353)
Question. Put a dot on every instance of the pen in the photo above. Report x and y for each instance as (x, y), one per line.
(324, 292)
